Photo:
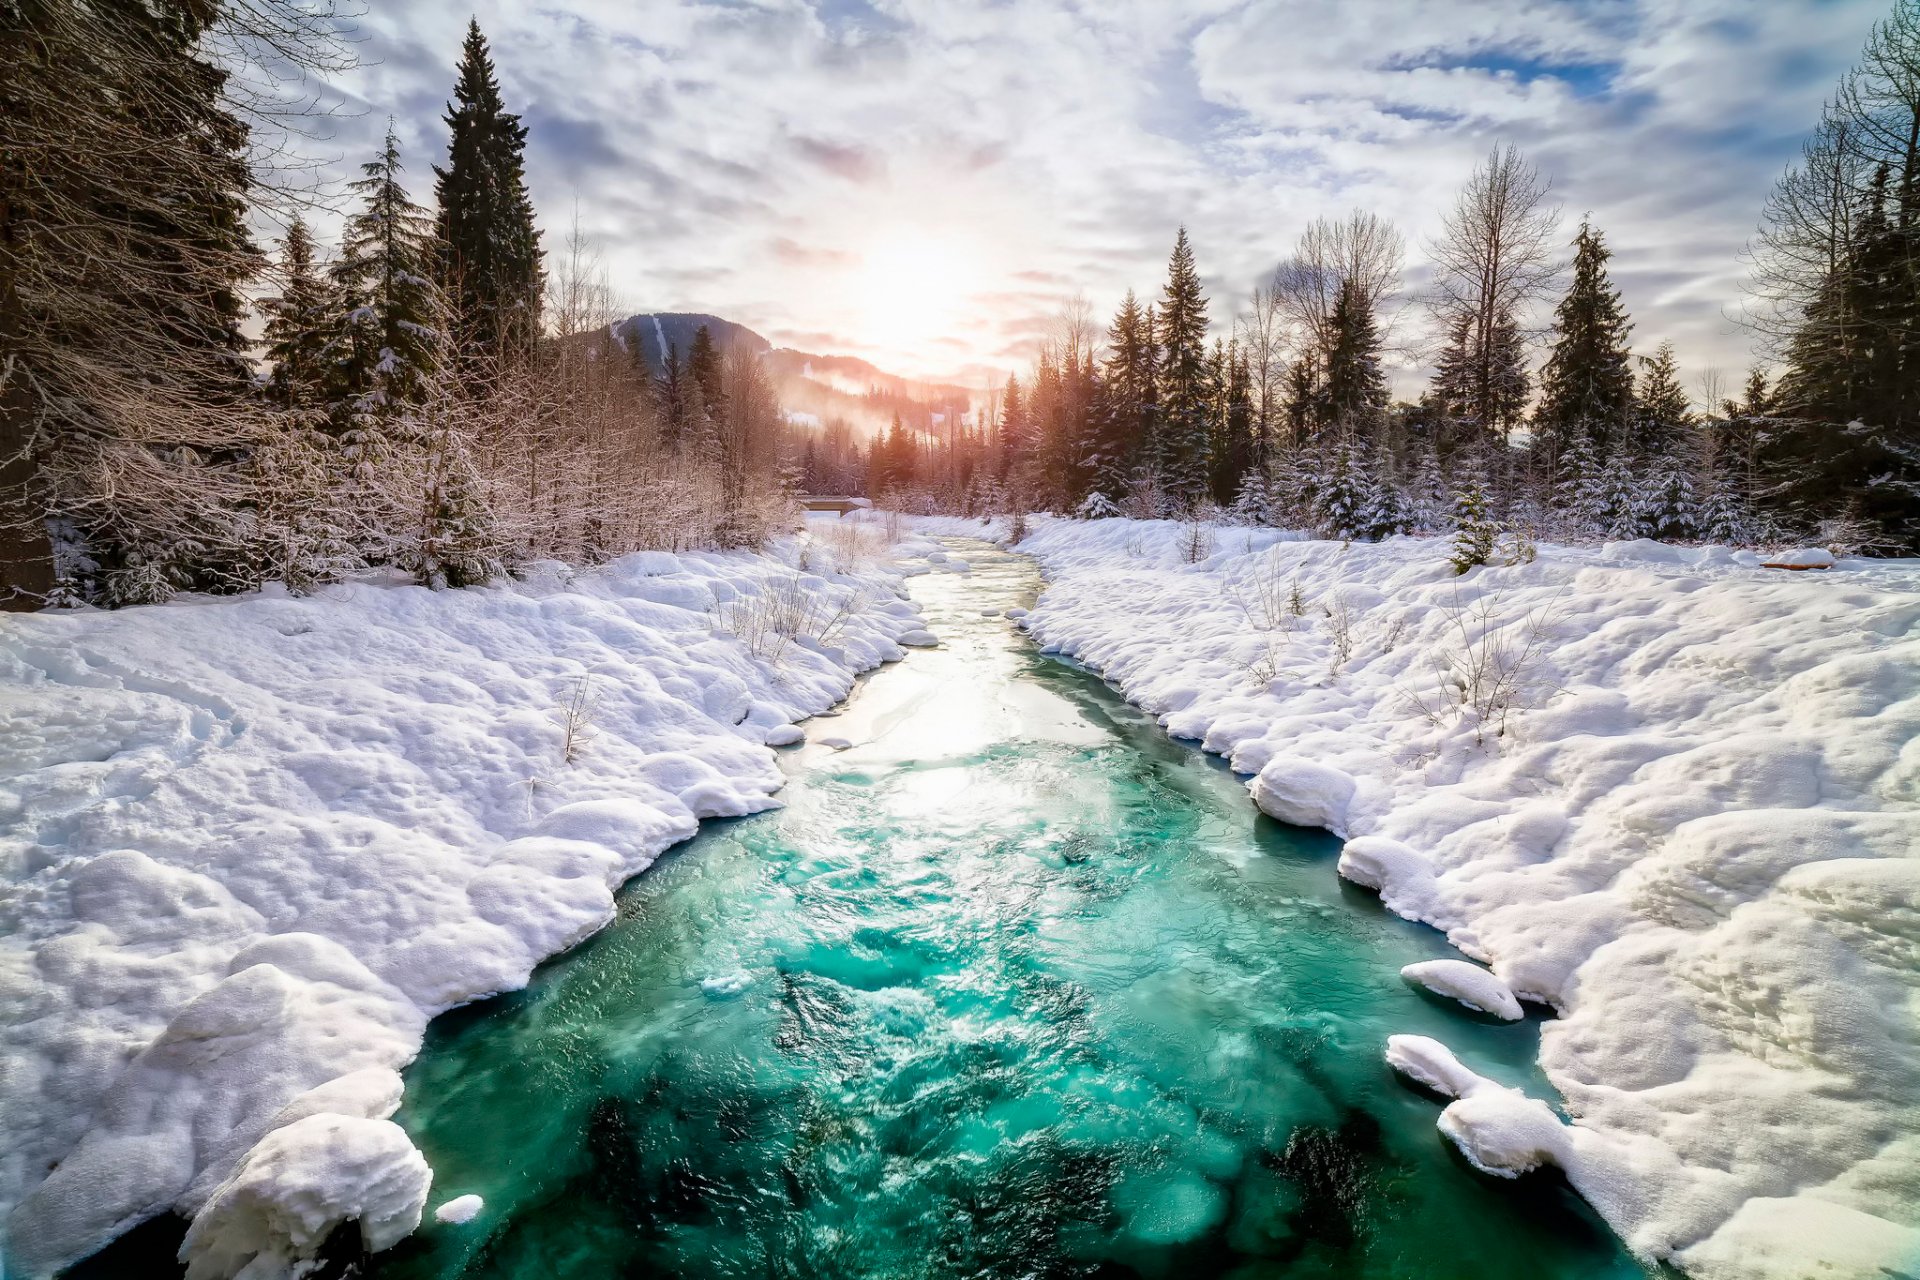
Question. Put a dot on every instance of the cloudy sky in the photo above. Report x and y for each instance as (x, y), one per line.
(922, 182)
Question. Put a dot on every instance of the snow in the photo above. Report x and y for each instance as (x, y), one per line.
(1500, 1131)
(1471, 985)
(1668, 791)
(1304, 793)
(300, 1182)
(249, 846)
(460, 1209)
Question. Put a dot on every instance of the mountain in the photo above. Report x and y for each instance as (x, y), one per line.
(657, 331)
(822, 387)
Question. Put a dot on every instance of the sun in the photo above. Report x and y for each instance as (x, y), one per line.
(912, 291)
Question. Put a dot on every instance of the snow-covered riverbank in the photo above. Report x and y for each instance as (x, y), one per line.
(250, 846)
(1698, 836)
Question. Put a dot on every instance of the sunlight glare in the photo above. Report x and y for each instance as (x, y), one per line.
(912, 285)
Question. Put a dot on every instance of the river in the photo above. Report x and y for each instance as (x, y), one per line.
(1013, 986)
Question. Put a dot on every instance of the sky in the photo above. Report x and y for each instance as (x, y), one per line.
(924, 183)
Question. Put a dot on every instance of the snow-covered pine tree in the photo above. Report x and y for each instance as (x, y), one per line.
(1662, 413)
(1473, 543)
(387, 335)
(1582, 507)
(489, 260)
(1346, 497)
(1619, 496)
(1184, 385)
(297, 325)
(1668, 507)
(1132, 378)
(1586, 388)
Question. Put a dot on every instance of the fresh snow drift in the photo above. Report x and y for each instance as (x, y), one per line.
(1668, 791)
(249, 846)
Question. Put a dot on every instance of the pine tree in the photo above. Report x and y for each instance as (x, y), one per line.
(1662, 414)
(703, 365)
(1580, 496)
(1668, 507)
(671, 391)
(1185, 390)
(1356, 389)
(387, 335)
(1619, 497)
(296, 329)
(489, 249)
(1473, 544)
(1586, 389)
(1132, 377)
(125, 397)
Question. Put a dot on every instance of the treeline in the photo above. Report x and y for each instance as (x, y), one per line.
(1290, 421)
(432, 398)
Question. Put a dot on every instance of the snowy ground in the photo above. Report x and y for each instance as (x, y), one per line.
(1697, 838)
(249, 846)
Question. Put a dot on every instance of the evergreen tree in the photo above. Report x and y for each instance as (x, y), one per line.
(1662, 414)
(296, 330)
(489, 249)
(123, 252)
(1580, 496)
(1586, 389)
(1132, 377)
(1473, 543)
(703, 365)
(1619, 496)
(1356, 389)
(1668, 507)
(1233, 446)
(671, 392)
(1185, 389)
(387, 337)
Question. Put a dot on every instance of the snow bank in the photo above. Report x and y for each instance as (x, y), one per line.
(249, 846)
(1670, 791)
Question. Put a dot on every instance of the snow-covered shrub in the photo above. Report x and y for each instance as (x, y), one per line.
(1486, 669)
(787, 609)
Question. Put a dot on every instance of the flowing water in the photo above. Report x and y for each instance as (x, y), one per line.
(1014, 987)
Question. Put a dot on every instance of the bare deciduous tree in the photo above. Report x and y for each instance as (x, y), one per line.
(1493, 262)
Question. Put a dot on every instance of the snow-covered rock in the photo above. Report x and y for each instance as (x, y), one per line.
(919, 638)
(1471, 985)
(1686, 814)
(249, 846)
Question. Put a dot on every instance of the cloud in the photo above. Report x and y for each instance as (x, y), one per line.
(742, 158)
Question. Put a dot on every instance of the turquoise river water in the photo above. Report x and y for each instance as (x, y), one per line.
(1014, 987)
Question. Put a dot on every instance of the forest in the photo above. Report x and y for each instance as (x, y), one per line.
(441, 396)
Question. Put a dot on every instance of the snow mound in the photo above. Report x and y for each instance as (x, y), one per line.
(1471, 985)
(1304, 793)
(1669, 792)
(251, 845)
(296, 1186)
(918, 638)
(1501, 1131)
